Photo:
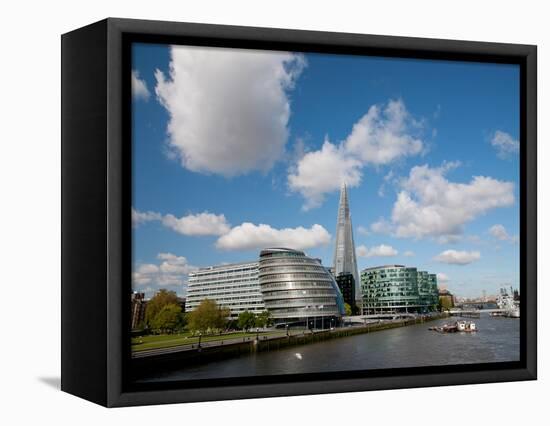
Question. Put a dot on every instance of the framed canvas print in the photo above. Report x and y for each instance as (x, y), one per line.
(253, 212)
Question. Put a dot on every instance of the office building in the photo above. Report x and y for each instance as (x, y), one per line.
(427, 290)
(234, 286)
(137, 314)
(446, 299)
(298, 289)
(346, 284)
(398, 289)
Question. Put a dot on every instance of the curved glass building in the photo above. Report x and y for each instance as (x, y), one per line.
(298, 290)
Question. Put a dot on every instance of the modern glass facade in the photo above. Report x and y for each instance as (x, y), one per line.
(297, 288)
(398, 289)
(344, 248)
(427, 290)
(234, 286)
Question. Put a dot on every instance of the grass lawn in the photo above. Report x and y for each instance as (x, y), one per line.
(170, 340)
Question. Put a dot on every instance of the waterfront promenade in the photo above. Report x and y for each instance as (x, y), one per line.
(163, 358)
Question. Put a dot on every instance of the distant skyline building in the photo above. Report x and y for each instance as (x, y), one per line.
(234, 286)
(138, 310)
(344, 249)
(346, 284)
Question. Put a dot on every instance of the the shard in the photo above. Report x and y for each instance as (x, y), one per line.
(344, 249)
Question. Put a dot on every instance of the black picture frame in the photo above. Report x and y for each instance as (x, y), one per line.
(96, 201)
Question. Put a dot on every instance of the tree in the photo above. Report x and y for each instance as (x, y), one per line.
(159, 301)
(207, 316)
(246, 320)
(445, 303)
(347, 308)
(168, 319)
(264, 319)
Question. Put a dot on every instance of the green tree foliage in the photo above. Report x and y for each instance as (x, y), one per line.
(347, 308)
(446, 303)
(168, 319)
(159, 301)
(207, 317)
(246, 320)
(264, 319)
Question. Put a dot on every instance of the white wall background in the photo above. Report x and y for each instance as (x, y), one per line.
(30, 210)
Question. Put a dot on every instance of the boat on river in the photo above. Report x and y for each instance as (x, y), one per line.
(457, 327)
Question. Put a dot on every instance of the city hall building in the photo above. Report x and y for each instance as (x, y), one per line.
(234, 286)
(298, 289)
(398, 289)
(294, 288)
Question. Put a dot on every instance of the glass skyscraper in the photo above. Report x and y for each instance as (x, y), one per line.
(344, 249)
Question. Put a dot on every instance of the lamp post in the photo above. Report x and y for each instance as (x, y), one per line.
(287, 331)
(200, 337)
(257, 334)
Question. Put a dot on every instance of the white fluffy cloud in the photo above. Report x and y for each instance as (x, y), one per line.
(456, 257)
(382, 250)
(499, 232)
(228, 109)
(408, 253)
(249, 236)
(505, 144)
(171, 272)
(429, 205)
(197, 224)
(323, 171)
(139, 218)
(383, 135)
(139, 87)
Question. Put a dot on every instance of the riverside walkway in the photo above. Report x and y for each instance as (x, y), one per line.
(263, 340)
(220, 342)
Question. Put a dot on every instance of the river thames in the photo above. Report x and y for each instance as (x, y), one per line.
(497, 340)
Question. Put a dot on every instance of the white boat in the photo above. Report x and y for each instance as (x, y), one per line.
(458, 326)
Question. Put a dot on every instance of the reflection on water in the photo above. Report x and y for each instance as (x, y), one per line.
(496, 341)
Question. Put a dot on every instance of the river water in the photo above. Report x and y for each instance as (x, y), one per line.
(497, 340)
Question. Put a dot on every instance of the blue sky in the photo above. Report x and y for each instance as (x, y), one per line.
(236, 150)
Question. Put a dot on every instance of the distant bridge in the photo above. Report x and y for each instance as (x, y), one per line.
(474, 311)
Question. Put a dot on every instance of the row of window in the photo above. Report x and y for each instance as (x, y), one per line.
(227, 302)
(297, 268)
(222, 284)
(208, 293)
(285, 261)
(291, 276)
(281, 254)
(203, 278)
(297, 293)
(228, 281)
(308, 310)
(301, 301)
